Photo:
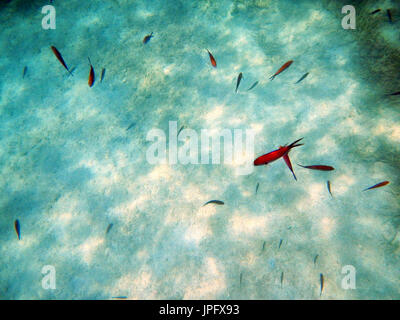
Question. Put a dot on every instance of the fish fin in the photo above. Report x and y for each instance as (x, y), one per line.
(295, 144)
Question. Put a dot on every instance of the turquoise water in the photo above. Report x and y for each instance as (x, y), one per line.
(73, 157)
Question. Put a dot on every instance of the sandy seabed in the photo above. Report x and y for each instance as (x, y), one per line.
(70, 166)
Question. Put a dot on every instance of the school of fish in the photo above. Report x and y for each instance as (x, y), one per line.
(262, 160)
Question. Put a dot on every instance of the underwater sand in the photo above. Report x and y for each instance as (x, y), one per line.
(69, 166)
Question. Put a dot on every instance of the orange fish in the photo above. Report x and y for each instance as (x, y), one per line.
(213, 62)
(318, 167)
(91, 75)
(60, 58)
(378, 185)
(284, 67)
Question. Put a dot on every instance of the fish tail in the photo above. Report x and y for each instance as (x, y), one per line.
(295, 144)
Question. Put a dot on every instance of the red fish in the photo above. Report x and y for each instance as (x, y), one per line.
(289, 164)
(276, 154)
(318, 167)
(91, 75)
(60, 58)
(213, 62)
(283, 68)
(378, 185)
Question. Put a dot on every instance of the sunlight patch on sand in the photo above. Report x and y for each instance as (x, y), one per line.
(342, 184)
(209, 285)
(139, 286)
(327, 227)
(389, 129)
(244, 225)
(88, 248)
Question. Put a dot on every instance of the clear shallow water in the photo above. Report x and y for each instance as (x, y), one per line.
(69, 166)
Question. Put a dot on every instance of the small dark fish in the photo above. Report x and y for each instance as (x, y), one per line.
(147, 38)
(240, 279)
(103, 73)
(91, 75)
(318, 167)
(315, 258)
(24, 72)
(328, 184)
(394, 93)
(257, 186)
(378, 185)
(17, 228)
(280, 243)
(215, 202)
(179, 131)
(253, 85)
(375, 11)
(60, 58)
(389, 14)
(281, 279)
(120, 297)
(212, 59)
(109, 227)
(238, 81)
(263, 246)
(131, 126)
(303, 77)
(321, 279)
